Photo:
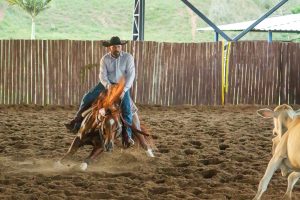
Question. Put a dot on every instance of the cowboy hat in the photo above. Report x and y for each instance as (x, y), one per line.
(115, 40)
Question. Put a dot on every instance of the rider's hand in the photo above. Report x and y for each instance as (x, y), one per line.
(122, 95)
(102, 112)
(108, 86)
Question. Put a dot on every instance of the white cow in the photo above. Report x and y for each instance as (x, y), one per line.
(286, 147)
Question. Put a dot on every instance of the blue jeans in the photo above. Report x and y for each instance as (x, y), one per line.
(92, 95)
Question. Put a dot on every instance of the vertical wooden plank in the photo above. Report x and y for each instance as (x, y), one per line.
(64, 71)
(21, 67)
(51, 66)
(60, 74)
(169, 81)
(55, 62)
(45, 71)
(77, 74)
(258, 51)
(174, 66)
(27, 70)
(19, 71)
(265, 74)
(148, 69)
(296, 65)
(252, 77)
(40, 72)
(293, 71)
(5, 71)
(139, 64)
(71, 73)
(33, 72)
(16, 71)
(10, 72)
(200, 74)
(220, 70)
(2, 60)
(283, 85)
(89, 61)
(275, 84)
(74, 89)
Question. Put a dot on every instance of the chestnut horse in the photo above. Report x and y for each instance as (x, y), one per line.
(102, 124)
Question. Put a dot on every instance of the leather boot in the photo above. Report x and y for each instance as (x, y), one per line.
(74, 125)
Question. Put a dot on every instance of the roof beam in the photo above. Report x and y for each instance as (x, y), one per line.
(210, 23)
(244, 32)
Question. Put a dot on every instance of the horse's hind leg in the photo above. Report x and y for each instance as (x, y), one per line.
(141, 138)
(73, 148)
(136, 122)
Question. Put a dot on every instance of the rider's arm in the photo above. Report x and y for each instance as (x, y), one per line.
(103, 74)
(130, 73)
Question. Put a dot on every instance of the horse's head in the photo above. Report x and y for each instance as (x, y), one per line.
(109, 111)
(111, 126)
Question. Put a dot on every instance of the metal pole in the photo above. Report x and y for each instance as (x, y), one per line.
(216, 36)
(138, 20)
(270, 37)
(239, 36)
(226, 37)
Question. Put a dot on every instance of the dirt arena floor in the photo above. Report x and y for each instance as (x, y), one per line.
(203, 152)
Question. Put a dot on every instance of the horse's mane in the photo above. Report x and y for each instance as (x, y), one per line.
(105, 100)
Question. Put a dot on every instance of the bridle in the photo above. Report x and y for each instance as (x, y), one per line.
(112, 116)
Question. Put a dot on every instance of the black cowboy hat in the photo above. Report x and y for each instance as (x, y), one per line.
(115, 40)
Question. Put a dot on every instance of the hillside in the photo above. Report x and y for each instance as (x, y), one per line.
(168, 20)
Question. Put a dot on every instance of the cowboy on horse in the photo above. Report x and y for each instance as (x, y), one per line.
(102, 123)
(113, 65)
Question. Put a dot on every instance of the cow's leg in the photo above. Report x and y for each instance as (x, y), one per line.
(273, 165)
(95, 152)
(284, 170)
(292, 180)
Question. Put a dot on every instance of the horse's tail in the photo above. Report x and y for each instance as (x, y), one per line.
(133, 128)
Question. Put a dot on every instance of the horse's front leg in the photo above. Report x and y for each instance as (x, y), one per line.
(97, 150)
(77, 142)
(273, 165)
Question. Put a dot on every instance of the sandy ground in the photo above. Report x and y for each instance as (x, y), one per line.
(202, 153)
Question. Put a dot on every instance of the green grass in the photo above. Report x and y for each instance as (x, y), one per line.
(167, 20)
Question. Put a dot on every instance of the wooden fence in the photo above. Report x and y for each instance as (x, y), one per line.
(264, 73)
(61, 71)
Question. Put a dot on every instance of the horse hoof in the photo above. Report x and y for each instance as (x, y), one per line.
(83, 166)
(58, 165)
(150, 153)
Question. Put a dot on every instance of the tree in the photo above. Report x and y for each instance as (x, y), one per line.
(33, 8)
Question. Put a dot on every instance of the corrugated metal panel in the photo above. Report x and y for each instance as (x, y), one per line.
(287, 23)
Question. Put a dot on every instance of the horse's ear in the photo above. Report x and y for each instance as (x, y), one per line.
(266, 113)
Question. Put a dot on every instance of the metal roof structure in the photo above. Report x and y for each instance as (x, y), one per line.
(287, 23)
